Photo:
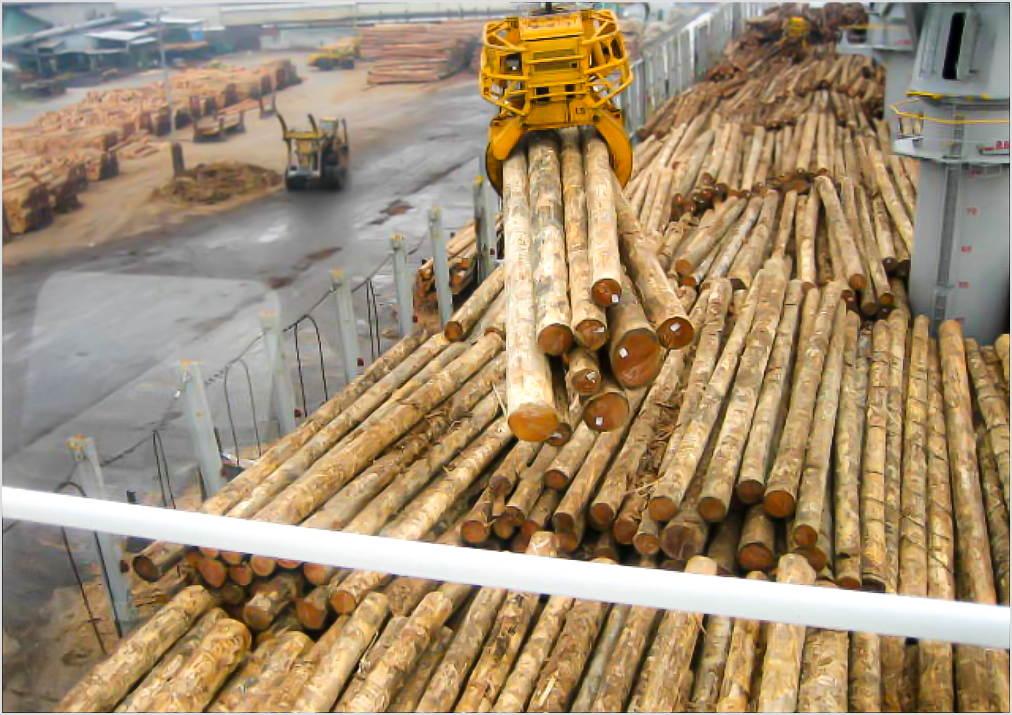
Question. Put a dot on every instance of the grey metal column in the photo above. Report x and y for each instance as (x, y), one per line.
(282, 391)
(346, 323)
(88, 475)
(440, 265)
(402, 285)
(201, 426)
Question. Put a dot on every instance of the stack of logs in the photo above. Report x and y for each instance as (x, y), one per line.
(402, 53)
(48, 162)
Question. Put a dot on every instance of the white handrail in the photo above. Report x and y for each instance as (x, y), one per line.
(934, 619)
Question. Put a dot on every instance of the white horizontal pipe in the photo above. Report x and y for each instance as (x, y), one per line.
(935, 619)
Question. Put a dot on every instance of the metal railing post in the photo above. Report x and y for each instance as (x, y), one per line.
(402, 285)
(282, 391)
(88, 475)
(440, 265)
(484, 223)
(201, 426)
(346, 323)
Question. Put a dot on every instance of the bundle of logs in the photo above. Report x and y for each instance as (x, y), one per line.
(414, 52)
(48, 162)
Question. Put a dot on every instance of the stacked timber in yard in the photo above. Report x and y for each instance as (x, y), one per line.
(419, 52)
(50, 161)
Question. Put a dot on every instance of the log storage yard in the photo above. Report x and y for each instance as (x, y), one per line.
(716, 365)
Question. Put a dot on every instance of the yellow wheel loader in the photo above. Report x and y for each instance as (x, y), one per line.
(340, 54)
(318, 157)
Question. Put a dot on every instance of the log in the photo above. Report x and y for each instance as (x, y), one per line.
(756, 547)
(750, 258)
(723, 547)
(662, 506)
(898, 320)
(602, 232)
(596, 668)
(261, 671)
(736, 684)
(634, 351)
(410, 693)
(380, 686)
(288, 621)
(322, 688)
(528, 375)
(823, 685)
(467, 316)
(707, 238)
(282, 698)
(448, 677)
(387, 639)
(782, 488)
(996, 514)
(994, 411)
(660, 304)
(663, 684)
(865, 676)
(770, 410)
(935, 686)
(781, 674)
(140, 697)
(528, 489)
(109, 681)
(504, 640)
(260, 611)
(848, 447)
(913, 551)
(584, 371)
(560, 674)
(720, 479)
(520, 683)
(813, 493)
(207, 668)
(548, 246)
(568, 460)
(785, 226)
(807, 223)
(873, 536)
(712, 660)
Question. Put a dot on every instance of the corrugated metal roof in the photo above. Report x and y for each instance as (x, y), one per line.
(122, 36)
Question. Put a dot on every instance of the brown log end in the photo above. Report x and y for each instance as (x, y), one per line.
(646, 544)
(210, 552)
(213, 572)
(568, 541)
(263, 565)
(454, 331)
(258, 619)
(815, 557)
(310, 615)
(779, 504)
(624, 530)
(662, 508)
(555, 339)
(556, 479)
(675, 333)
(712, 509)
(857, 281)
(289, 564)
(232, 558)
(343, 602)
(241, 574)
(684, 267)
(562, 522)
(474, 531)
(869, 308)
(233, 594)
(503, 526)
(606, 412)
(317, 574)
(592, 334)
(755, 557)
(636, 359)
(889, 264)
(145, 568)
(606, 292)
(601, 516)
(805, 535)
(561, 435)
(533, 422)
(681, 542)
(586, 382)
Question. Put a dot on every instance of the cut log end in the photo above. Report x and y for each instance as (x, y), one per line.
(310, 615)
(636, 359)
(805, 535)
(675, 333)
(606, 292)
(607, 412)
(586, 382)
(712, 509)
(474, 531)
(146, 568)
(555, 339)
(750, 492)
(779, 504)
(343, 602)
(262, 565)
(317, 574)
(662, 508)
(592, 334)
(601, 516)
(556, 479)
(561, 435)
(454, 331)
(533, 422)
(755, 557)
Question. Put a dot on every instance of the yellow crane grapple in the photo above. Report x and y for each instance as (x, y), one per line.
(550, 69)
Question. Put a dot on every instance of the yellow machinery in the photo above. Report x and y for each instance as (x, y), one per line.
(554, 68)
(340, 54)
(319, 156)
(796, 28)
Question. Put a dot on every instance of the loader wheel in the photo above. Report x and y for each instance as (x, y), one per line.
(295, 183)
(348, 63)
